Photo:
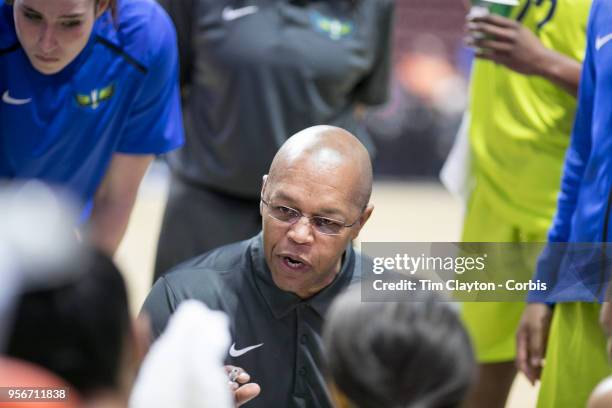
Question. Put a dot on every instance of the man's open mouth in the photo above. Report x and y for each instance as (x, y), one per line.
(293, 263)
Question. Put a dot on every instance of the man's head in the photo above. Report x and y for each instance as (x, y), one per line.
(324, 173)
(397, 354)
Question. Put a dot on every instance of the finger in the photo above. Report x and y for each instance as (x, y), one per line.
(485, 55)
(488, 30)
(498, 47)
(469, 41)
(535, 347)
(243, 377)
(523, 355)
(237, 374)
(246, 393)
(536, 374)
(492, 56)
(521, 350)
(233, 386)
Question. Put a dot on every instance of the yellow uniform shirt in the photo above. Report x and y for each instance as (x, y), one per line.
(520, 125)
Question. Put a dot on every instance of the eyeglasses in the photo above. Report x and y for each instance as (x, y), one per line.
(327, 226)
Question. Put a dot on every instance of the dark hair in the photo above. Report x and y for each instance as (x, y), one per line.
(398, 354)
(77, 330)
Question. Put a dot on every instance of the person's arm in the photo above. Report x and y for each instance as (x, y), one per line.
(373, 88)
(534, 326)
(531, 339)
(507, 42)
(115, 199)
(154, 126)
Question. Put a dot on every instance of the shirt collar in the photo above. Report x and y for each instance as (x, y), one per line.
(281, 302)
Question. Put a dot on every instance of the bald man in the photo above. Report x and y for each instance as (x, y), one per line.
(277, 286)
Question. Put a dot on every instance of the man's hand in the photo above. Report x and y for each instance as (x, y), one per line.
(605, 321)
(507, 42)
(243, 390)
(531, 339)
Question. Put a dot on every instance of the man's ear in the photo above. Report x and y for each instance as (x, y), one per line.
(101, 6)
(365, 216)
(264, 181)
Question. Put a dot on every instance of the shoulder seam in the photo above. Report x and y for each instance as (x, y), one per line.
(119, 51)
(10, 49)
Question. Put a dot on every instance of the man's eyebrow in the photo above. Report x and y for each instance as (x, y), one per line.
(331, 213)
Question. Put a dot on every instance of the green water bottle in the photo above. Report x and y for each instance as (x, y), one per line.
(499, 7)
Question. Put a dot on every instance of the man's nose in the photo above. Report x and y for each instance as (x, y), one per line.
(301, 232)
(47, 40)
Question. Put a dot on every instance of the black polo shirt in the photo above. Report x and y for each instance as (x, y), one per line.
(276, 335)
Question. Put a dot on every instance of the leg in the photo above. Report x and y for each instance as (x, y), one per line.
(492, 327)
(197, 220)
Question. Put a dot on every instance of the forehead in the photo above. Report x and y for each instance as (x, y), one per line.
(324, 190)
(56, 8)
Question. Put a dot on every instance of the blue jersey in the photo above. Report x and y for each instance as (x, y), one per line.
(120, 95)
(584, 205)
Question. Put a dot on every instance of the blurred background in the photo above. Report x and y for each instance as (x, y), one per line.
(415, 129)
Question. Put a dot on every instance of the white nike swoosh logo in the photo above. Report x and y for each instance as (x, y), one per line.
(601, 41)
(237, 353)
(230, 14)
(13, 101)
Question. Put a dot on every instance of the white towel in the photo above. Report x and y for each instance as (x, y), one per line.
(456, 174)
(184, 367)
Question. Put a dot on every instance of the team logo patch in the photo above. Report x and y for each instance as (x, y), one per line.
(96, 97)
(332, 27)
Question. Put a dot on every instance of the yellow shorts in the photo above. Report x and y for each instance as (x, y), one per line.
(576, 358)
(492, 325)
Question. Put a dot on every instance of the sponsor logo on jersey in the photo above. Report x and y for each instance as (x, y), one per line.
(7, 98)
(332, 27)
(94, 98)
(238, 352)
(230, 14)
(601, 41)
